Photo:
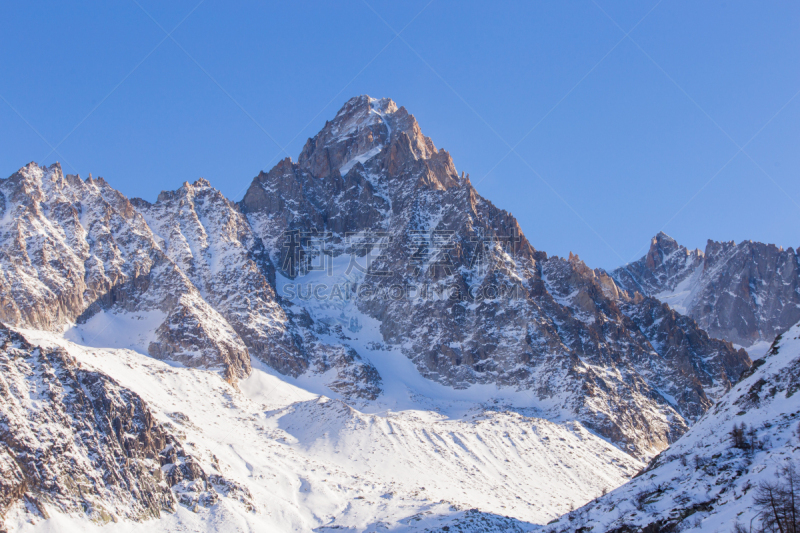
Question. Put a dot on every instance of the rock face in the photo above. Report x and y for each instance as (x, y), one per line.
(484, 305)
(665, 265)
(745, 293)
(73, 440)
(73, 249)
(208, 238)
(681, 370)
(709, 478)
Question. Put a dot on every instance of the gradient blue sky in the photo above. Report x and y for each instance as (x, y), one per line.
(615, 138)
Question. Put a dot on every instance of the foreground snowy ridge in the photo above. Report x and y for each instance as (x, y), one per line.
(705, 481)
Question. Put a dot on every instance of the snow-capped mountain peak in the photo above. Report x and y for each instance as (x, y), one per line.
(366, 127)
(462, 316)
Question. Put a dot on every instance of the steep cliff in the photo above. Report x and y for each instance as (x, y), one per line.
(73, 440)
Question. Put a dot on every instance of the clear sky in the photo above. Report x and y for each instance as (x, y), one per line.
(595, 141)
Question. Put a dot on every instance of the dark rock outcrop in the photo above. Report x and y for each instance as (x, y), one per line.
(72, 439)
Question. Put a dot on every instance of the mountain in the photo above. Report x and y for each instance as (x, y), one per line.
(199, 280)
(207, 237)
(183, 279)
(360, 312)
(370, 181)
(746, 293)
(712, 477)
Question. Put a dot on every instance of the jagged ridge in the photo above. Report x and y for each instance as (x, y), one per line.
(746, 293)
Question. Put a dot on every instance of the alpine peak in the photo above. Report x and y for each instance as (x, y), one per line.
(367, 127)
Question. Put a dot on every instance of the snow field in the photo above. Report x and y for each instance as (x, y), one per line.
(312, 461)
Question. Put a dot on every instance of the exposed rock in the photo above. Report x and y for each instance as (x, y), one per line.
(74, 248)
(207, 237)
(74, 440)
(679, 368)
(210, 240)
(664, 266)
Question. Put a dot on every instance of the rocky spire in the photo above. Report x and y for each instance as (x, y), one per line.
(663, 267)
(367, 129)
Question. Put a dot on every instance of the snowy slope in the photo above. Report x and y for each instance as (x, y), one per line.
(702, 482)
(310, 461)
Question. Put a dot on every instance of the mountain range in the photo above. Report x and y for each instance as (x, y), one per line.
(746, 293)
(364, 301)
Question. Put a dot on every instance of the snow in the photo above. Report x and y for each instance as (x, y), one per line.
(363, 158)
(134, 331)
(756, 350)
(403, 386)
(681, 297)
(311, 460)
(721, 487)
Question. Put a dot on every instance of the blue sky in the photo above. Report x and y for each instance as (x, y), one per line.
(595, 141)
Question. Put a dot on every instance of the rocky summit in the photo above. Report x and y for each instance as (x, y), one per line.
(519, 319)
(369, 271)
